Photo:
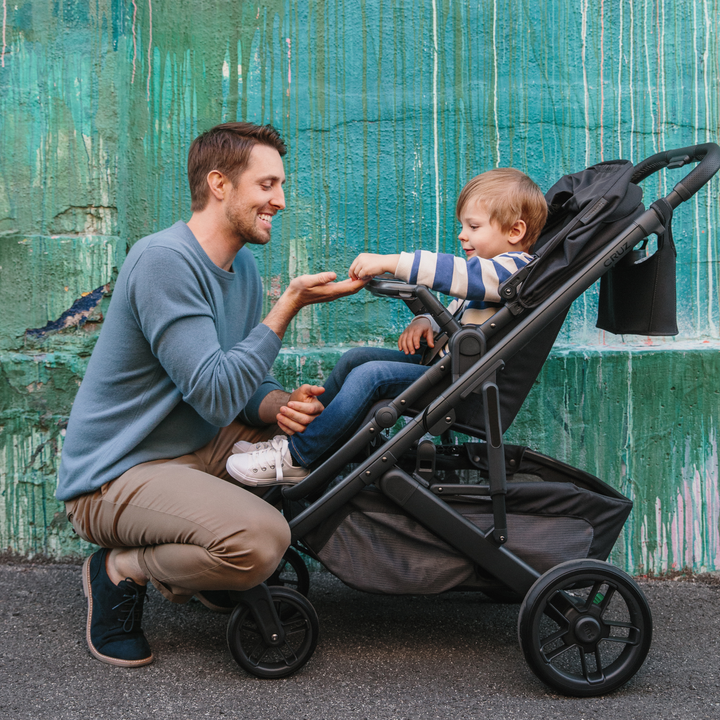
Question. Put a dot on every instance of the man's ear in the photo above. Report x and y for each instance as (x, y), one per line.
(517, 232)
(218, 184)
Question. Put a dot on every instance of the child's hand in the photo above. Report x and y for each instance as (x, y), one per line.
(370, 264)
(409, 341)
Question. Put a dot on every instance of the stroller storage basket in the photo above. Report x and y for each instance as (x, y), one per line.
(372, 545)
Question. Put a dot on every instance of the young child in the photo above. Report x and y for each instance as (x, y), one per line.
(501, 213)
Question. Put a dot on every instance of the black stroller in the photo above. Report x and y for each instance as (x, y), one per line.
(410, 516)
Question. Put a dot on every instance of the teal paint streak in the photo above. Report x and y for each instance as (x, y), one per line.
(57, 128)
(97, 112)
(37, 389)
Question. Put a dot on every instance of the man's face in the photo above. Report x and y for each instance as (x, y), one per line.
(257, 196)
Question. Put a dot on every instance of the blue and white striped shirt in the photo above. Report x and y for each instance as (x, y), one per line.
(474, 282)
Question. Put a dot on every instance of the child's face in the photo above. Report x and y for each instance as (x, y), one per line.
(482, 238)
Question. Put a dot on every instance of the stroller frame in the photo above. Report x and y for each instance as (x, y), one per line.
(477, 355)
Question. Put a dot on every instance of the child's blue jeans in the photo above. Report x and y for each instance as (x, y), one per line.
(362, 377)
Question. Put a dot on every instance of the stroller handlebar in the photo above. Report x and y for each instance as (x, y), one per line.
(708, 155)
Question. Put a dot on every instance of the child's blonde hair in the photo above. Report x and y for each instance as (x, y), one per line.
(507, 195)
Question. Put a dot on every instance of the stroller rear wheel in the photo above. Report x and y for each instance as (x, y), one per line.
(254, 655)
(585, 628)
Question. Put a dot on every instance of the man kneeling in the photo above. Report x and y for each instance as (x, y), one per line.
(178, 376)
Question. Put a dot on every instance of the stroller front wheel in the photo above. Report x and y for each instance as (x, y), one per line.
(249, 648)
(585, 628)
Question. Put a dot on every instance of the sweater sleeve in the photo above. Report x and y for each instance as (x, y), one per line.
(250, 414)
(175, 316)
(474, 279)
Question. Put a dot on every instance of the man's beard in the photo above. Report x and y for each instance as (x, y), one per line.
(245, 228)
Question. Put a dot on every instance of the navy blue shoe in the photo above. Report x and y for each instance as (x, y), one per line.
(217, 600)
(114, 635)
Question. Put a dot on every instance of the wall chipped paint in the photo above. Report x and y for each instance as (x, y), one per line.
(387, 107)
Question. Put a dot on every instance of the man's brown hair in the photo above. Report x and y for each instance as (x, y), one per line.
(225, 148)
(507, 195)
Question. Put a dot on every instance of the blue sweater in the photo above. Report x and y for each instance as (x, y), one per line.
(180, 355)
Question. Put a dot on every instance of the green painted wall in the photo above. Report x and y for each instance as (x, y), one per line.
(388, 107)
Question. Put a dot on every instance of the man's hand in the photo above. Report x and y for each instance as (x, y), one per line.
(308, 290)
(301, 409)
(311, 289)
(366, 265)
(409, 341)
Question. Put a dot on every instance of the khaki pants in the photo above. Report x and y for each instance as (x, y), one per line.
(195, 527)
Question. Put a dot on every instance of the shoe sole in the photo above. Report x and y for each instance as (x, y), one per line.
(103, 658)
(251, 482)
(267, 482)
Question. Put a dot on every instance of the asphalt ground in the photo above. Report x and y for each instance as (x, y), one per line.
(449, 656)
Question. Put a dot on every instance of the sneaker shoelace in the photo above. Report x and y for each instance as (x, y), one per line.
(131, 607)
(271, 456)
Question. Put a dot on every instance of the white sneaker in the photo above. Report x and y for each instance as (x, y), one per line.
(243, 446)
(271, 465)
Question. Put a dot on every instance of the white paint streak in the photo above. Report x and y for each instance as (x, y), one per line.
(239, 70)
(619, 84)
(632, 89)
(225, 72)
(696, 119)
(654, 130)
(690, 522)
(583, 11)
(149, 51)
(132, 81)
(495, 81)
(4, 26)
(710, 264)
(602, 80)
(662, 120)
(696, 210)
(661, 556)
(706, 68)
(435, 129)
(628, 450)
(714, 516)
(289, 47)
(693, 525)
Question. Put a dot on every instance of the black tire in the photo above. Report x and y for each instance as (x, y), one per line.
(291, 572)
(585, 628)
(255, 656)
